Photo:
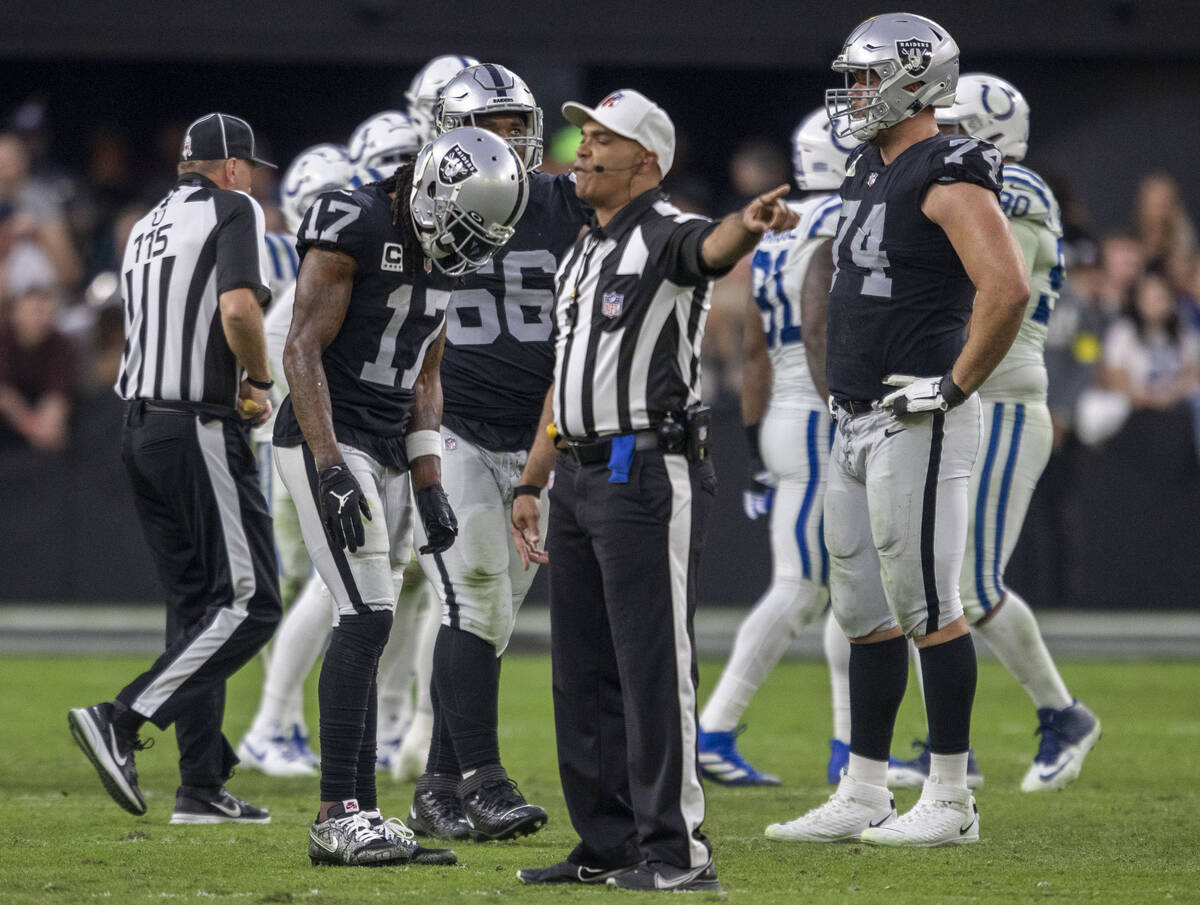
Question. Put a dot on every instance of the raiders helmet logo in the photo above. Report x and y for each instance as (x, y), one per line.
(915, 55)
(456, 166)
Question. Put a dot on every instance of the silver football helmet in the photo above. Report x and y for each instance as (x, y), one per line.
(818, 156)
(988, 107)
(469, 190)
(881, 59)
(379, 144)
(321, 168)
(425, 87)
(491, 88)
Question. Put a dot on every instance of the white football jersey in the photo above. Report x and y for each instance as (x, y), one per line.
(1037, 222)
(779, 264)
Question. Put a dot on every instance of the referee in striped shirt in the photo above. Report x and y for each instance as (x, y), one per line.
(195, 375)
(630, 503)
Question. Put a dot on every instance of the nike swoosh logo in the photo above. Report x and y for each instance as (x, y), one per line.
(235, 811)
(588, 874)
(116, 749)
(321, 842)
(892, 432)
(1053, 773)
(963, 830)
(880, 822)
(341, 498)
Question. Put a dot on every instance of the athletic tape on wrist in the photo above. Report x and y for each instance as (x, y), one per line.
(423, 443)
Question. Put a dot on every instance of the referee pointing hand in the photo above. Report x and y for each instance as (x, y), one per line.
(631, 500)
(193, 282)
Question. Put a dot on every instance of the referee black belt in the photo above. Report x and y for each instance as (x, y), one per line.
(854, 406)
(206, 410)
(592, 452)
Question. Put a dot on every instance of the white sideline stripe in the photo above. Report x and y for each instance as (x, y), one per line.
(211, 437)
(679, 542)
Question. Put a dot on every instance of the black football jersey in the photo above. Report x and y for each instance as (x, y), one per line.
(901, 299)
(393, 316)
(499, 361)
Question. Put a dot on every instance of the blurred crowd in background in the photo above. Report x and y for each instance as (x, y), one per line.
(1123, 337)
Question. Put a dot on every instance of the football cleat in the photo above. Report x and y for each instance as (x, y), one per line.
(195, 807)
(853, 808)
(300, 743)
(1067, 737)
(346, 838)
(911, 774)
(497, 810)
(568, 872)
(409, 763)
(839, 760)
(274, 756)
(721, 762)
(401, 837)
(111, 753)
(387, 752)
(652, 875)
(438, 813)
(943, 815)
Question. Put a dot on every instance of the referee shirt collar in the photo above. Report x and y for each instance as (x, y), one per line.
(197, 179)
(625, 219)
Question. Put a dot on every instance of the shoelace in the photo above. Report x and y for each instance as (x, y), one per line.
(1050, 745)
(503, 790)
(286, 749)
(394, 826)
(359, 828)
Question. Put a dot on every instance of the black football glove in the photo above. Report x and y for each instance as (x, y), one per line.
(441, 527)
(341, 500)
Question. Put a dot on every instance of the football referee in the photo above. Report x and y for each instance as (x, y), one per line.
(196, 377)
(632, 494)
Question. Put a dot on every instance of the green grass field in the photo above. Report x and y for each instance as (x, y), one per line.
(1128, 831)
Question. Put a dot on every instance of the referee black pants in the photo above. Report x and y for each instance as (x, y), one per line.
(623, 567)
(195, 485)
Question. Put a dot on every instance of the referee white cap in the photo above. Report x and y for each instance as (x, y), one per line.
(632, 115)
(219, 136)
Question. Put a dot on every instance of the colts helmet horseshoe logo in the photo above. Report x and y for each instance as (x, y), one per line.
(456, 166)
(915, 55)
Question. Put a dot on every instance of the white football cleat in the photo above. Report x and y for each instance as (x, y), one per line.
(409, 763)
(273, 755)
(1067, 736)
(852, 809)
(943, 815)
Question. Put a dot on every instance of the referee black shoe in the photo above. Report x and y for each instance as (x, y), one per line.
(568, 872)
(111, 752)
(437, 812)
(194, 806)
(497, 810)
(656, 875)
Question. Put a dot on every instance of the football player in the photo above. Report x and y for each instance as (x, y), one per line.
(497, 367)
(789, 433)
(277, 741)
(425, 88)
(357, 438)
(922, 248)
(1017, 437)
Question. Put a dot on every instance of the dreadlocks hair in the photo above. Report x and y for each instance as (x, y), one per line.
(400, 183)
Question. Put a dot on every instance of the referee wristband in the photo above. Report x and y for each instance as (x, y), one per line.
(423, 443)
(527, 490)
(260, 384)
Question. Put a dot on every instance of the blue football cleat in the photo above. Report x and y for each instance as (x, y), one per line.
(721, 762)
(1067, 736)
(911, 774)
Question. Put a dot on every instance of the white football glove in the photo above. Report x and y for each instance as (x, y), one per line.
(921, 394)
(759, 495)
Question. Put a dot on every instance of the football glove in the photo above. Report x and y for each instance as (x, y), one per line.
(760, 490)
(921, 394)
(343, 507)
(441, 527)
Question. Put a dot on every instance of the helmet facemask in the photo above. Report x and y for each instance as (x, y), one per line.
(527, 146)
(455, 240)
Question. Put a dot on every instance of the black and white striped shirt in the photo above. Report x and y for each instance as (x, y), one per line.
(630, 306)
(197, 243)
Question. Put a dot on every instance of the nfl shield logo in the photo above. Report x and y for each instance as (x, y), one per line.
(187, 146)
(451, 443)
(871, 179)
(612, 99)
(916, 55)
(612, 303)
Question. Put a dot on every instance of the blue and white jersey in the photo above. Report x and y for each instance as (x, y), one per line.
(283, 263)
(1037, 223)
(779, 265)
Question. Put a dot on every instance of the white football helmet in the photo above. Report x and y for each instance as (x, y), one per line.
(884, 56)
(469, 190)
(818, 157)
(321, 168)
(491, 88)
(988, 107)
(381, 143)
(425, 87)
